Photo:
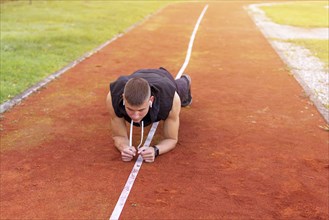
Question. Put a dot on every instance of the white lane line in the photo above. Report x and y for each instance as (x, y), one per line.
(131, 179)
(189, 50)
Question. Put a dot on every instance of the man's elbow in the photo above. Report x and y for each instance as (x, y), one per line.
(174, 143)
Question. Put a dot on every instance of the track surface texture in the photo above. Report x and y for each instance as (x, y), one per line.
(250, 145)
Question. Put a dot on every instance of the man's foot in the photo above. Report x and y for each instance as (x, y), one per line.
(188, 101)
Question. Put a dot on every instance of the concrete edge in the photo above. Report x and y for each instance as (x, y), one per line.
(20, 97)
(319, 106)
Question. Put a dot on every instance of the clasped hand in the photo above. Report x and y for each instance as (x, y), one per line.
(147, 153)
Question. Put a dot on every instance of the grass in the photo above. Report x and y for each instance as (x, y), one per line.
(312, 14)
(40, 38)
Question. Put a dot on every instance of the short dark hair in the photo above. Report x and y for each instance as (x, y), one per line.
(136, 91)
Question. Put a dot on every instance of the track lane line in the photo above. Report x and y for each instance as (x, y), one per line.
(134, 172)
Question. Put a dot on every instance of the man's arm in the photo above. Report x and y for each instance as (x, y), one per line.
(171, 128)
(119, 133)
(170, 132)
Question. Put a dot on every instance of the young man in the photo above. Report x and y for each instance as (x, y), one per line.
(144, 97)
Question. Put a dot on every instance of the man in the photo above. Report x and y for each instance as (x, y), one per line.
(144, 97)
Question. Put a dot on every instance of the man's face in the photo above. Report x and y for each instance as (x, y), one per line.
(137, 113)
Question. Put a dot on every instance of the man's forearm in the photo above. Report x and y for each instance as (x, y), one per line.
(166, 145)
(120, 142)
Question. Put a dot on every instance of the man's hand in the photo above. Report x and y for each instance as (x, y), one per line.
(147, 154)
(128, 153)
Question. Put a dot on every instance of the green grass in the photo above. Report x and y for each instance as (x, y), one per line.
(306, 15)
(40, 38)
(301, 14)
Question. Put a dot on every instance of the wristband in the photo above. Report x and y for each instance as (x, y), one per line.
(156, 151)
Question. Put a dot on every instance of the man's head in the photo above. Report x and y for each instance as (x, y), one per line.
(137, 98)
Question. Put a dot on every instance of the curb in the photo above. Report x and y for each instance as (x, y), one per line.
(308, 90)
(20, 97)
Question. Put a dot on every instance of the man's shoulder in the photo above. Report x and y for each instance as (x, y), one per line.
(119, 83)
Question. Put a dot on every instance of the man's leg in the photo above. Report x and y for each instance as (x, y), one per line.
(183, 85)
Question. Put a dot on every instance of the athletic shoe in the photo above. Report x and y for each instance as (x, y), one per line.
(189, 99)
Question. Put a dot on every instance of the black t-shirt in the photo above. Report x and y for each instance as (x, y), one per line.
(163, 89)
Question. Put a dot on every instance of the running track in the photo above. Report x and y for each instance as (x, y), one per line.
(250, 146)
